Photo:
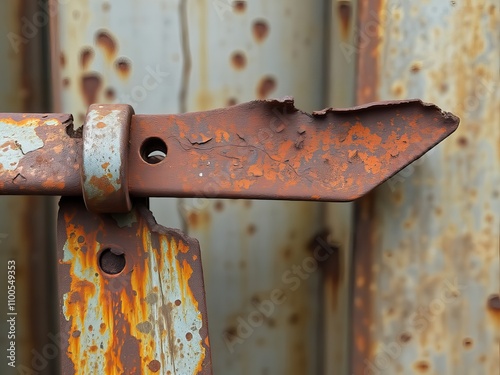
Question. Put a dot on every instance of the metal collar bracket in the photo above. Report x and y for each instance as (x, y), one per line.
(104, 165)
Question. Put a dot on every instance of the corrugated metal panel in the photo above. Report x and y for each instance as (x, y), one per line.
(427, 250)
(200, 55)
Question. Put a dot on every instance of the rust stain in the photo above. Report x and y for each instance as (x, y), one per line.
(493, 307)
(86, 55)
(344, 9)
(266, 86)
(260, 29)
(239, 6)
(422, 366)
(231, 102)
(110, 94)
(91, 84)
(107, 42)
(123, 67)
(62, 60)
(251, 229)
(467, 343)
(238, 60)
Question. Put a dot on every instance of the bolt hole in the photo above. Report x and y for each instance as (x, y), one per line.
(153, 150)
(112, 261)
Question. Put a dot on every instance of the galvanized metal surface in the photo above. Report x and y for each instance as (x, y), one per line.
(262, 149)
(104, 168)
(427, 266)
(131, 295)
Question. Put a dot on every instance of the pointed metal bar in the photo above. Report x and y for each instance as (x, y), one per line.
(263, 149)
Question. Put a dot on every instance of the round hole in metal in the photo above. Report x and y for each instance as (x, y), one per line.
(112, 261)
(153, 150)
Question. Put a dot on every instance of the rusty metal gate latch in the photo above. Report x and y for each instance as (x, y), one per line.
(131, 292)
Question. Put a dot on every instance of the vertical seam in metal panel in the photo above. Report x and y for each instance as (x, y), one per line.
(327, 59)
(56, 102)
(361, 304)
(367, 61)
(186, 54)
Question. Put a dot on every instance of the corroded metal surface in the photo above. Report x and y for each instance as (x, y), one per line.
(38, 156)
(427, 250)
(131, 295)
(105, 158)
(260, 149)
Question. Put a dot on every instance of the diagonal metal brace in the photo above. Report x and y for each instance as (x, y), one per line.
(263, 149)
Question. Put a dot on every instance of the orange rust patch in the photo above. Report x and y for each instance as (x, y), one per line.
(103, 184)
(49, 184)
(183, 248)
(255, 170)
